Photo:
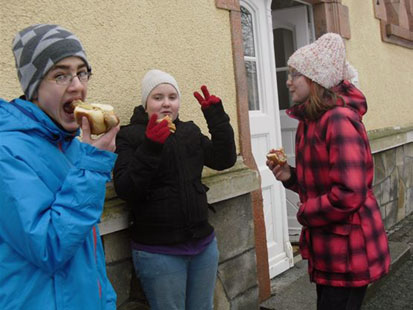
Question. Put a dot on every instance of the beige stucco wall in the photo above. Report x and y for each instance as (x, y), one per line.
(385, 70)
(124, 39)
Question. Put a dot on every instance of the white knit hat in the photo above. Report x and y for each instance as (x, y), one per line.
(323, 61)
(154, 78)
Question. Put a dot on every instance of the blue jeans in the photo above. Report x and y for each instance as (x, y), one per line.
(178, 282)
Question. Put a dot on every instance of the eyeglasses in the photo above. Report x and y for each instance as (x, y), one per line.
(66, 79)
(293, 75)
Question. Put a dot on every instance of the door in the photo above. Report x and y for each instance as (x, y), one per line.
(291, 30)
(265, 126)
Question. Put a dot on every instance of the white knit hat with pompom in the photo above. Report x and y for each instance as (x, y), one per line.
(323, 61)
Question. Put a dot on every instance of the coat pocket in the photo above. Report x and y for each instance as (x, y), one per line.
(164, 193)
(200, 213)
(200, 187)
(330, 247)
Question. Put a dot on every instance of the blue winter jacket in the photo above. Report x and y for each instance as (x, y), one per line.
(52, 191)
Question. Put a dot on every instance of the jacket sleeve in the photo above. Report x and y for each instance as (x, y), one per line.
(219, 151)
(107, 289)
(135, 165)
(347, 146)
(110, 297)
(292, 183)
(47, 227)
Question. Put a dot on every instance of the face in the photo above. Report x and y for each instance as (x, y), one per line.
(55, 99)
(298, 86)
(163, 100)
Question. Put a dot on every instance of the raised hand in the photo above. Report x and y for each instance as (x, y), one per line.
(157, 132)
(208, 99)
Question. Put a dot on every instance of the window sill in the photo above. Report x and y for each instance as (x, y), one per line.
(223, 185)
(397, 35)
(388, 138)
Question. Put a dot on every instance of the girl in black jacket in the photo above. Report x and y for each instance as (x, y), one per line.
(158, 172)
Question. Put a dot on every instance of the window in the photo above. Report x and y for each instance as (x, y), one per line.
(293, 27)
(396, 21)
(250, 58)
(284, 47)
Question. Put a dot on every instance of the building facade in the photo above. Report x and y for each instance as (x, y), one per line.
(238, 48)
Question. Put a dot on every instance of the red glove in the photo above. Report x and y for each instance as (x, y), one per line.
(208, 100)
(157, 132)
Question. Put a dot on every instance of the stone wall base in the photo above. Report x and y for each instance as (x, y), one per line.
(393, 183)
(236, 286)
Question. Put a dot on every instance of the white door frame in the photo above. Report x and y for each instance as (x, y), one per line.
(280, 256)
(295, 19)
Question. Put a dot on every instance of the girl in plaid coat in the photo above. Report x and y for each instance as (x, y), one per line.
(343, 236)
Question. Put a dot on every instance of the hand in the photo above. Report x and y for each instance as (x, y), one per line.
(281, 173)
(105, 142)
(157, 132)
(208, 100)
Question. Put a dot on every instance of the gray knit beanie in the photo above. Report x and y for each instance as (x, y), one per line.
(38, 48)
(154, 78)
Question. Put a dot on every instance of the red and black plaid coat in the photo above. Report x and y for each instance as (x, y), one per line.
(343, 235)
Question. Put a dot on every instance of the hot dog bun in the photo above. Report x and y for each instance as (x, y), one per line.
(101, 117)
(277, 156)
(171, 125)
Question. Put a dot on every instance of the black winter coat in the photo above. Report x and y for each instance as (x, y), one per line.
(162, 182)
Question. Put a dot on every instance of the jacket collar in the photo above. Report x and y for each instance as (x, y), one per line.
(29, 117)
(348, 95)
(140, 116)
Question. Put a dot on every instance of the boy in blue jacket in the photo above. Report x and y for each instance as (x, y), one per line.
(52, 185)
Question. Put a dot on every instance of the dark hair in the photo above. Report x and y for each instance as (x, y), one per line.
(319, 101)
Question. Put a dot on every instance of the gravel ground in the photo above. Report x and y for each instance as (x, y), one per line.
(396, 291)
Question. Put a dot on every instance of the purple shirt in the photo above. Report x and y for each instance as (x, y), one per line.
(193, 247)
